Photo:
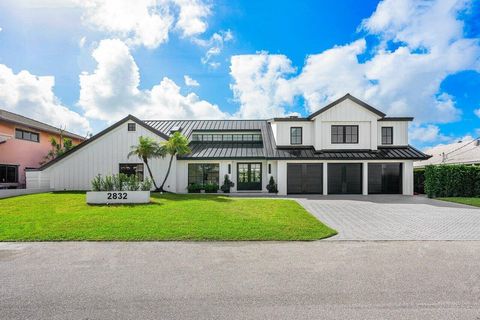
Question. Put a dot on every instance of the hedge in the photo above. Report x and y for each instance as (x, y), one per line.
(452, 181)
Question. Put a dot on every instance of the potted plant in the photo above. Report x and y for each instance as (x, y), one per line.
(272, 186)
(227, 184)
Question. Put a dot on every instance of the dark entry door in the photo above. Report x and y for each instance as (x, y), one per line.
(304, 178)
(344, 178)
(249, 176)
(385, 178)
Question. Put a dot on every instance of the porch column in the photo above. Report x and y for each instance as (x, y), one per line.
(325, 178)
(365, 179)
(407, 173)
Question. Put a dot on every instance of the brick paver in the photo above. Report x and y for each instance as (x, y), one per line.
(386, 217)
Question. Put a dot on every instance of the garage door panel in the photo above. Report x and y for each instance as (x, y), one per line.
(344, 178)
(385, 178)
(304, 178)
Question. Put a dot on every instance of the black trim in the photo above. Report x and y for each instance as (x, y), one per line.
(269, 168)
(347, 96)
(289, 119)
(344, 134)
(386, 136)
(249, 185)
(23, 132)
(101, 134)
(301, 135)
(131, 127)
(396, 119)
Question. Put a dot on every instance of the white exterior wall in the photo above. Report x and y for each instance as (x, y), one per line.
(103, 156)
(407, 173)
(37, 180)
(282, 132)
(346, 112)
(400, 132)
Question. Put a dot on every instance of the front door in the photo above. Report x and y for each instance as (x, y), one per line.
(249, 176)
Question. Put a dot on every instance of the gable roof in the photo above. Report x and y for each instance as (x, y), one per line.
(347, 96)
(34, 124)
(101, 134)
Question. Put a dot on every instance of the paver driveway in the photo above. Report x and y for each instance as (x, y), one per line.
(395, 217)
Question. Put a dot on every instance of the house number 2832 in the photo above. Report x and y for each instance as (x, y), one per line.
(116, 195)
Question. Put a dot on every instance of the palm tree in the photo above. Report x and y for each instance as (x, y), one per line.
(176, 145)
(147, 148)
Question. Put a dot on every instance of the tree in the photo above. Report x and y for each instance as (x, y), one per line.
(147, 148)
(58, 148)
(176, 145)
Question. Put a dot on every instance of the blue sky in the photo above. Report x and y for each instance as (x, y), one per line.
(83, 65)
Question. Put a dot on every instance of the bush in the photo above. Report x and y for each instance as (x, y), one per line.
(227, 184)
(133, 183)
(419, 181)
(97, 183)
(146, 185)
(211, 188)
(107, 184)
(119, 181)
(452, 181)
(272, 186)
(194, 188)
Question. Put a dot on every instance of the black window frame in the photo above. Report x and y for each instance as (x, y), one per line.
(139, 174)
(227, 137)
(131, 127)
(229, 168)
(338, 134)
(205, 177)
(269, 168)
(386, 136)
(4, 172)
(27, 135)
(296, 136)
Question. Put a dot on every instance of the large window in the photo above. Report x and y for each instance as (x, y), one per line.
(387, 135)
(27, 135)
(131, 169)
(217, 137)
(296, 135)
(8, 173)
(344, 134)
(203, 173)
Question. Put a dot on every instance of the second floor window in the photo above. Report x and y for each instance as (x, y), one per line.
(27, 135)
(296, 135)
(344, 134)
(387, 135)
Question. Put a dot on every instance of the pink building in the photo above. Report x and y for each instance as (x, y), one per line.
(24, 143)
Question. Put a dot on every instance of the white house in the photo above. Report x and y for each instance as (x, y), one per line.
(347, 147)
(461, 152)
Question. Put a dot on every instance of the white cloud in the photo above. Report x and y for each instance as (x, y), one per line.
(477, 112)
(81, 42)
(146, 22)
(190, 82)
(32, 96)
(215, 47)
(427, 133)
(191, 20)
(429, 43)
(112, 91)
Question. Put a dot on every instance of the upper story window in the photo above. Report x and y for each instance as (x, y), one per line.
(237, 137)
(27, 135)
(344, 134)
(387, 135)
(132, 127)
(296, 135)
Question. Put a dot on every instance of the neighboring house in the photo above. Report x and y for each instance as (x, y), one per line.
(348, 147)
(24, 143)
(461, 152)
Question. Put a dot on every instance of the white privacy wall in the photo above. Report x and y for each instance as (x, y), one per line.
(400, 132)
(103, 156)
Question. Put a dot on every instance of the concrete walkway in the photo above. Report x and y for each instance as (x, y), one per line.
(393, 217)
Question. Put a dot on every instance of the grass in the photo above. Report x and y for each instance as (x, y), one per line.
(66, 216)
(464, 200)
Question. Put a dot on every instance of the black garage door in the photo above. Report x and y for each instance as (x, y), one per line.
(344, 178)
(304, 178)
(385, 178)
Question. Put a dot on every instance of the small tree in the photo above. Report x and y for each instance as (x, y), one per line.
(227, 184)
(147, 148)
(176, 145)
(272, 186)
(58, 148)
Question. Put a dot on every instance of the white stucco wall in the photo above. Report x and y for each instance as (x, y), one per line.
(103, 156)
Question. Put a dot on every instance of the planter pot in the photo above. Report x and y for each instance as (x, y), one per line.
(121, 197)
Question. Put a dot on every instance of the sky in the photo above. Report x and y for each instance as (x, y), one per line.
(84, 64)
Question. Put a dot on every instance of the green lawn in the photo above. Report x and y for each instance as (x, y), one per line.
(465, 200)
(66, 216)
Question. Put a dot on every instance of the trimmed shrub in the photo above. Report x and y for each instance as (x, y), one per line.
(146, 185)
(194, 188)
(97, 183)
(419, 181)
(272, 186)
(452, 181)
(211, 188)
(227, 184)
